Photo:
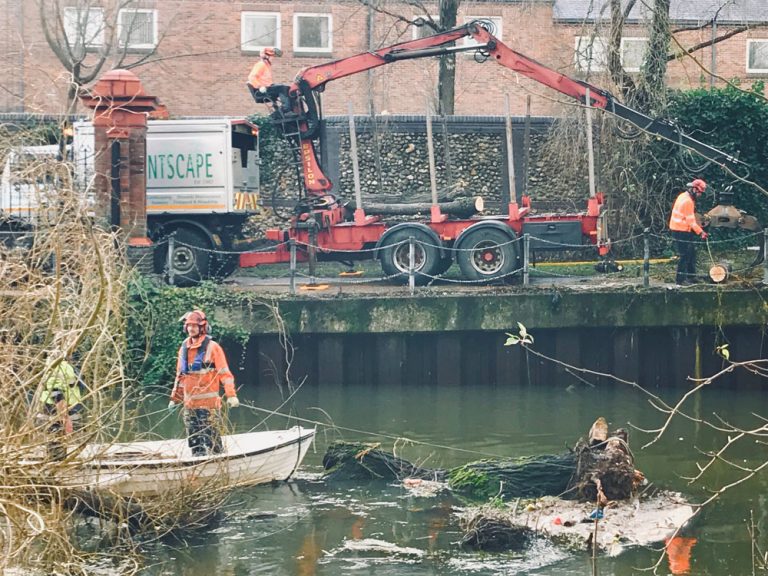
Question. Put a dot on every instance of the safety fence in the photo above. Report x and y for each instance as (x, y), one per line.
(416, 263)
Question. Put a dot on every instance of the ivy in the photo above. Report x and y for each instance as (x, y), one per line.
(736, 121)
(154, 328)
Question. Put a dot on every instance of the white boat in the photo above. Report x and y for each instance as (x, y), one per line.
(151, 468)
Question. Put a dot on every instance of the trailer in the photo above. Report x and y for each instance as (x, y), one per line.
(486, 247)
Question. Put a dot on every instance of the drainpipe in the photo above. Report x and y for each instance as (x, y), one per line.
(20, 12)
(713, 65)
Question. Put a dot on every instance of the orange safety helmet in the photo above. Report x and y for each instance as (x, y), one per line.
(270, 51)
(196, 317)
(698, 186)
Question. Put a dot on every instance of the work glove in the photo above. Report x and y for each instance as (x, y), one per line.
(172, 406)
(704, 235)
(233, 402)
(263, 89)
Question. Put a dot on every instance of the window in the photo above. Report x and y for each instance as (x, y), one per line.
(84, 28)
(757, 56)
(591, 54)
(425, 30)
(495, 28)
(633, 52)
(312, 33)
(259, 30)
(137, 28)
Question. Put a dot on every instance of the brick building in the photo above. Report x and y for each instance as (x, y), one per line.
(203, 50)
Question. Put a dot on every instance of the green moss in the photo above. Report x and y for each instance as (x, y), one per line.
(470, 481)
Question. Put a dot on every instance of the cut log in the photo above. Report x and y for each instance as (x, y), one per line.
(720, 272)
(461, 207)
(447, 194)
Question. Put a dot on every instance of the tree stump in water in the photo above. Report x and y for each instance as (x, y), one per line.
(600, 467)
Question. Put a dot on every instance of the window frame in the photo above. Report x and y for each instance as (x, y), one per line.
(244, 46)
(749, 70)
(621, 48)
(87, 46)
(498, 22)
(596, 66)
(128, 45)
(311, 50)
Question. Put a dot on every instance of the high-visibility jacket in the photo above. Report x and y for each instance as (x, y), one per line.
(261, 75)
(62, 385)
(202, 370)
(683, 218)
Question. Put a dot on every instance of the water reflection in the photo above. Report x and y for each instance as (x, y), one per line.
(310, 528)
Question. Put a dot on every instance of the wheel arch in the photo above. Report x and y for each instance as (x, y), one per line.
(405, 225)
(489, 224)
(161, 229)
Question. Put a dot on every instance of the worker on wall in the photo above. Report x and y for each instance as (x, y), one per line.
(684, 229)
(62, 409)
(201, 370)
(261, 85)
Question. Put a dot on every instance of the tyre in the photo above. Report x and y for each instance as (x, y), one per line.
(445, 264)
(487, 254)
(395, 255)
(223, 265)
(190, 259)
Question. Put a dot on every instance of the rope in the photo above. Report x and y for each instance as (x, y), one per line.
(369, 433)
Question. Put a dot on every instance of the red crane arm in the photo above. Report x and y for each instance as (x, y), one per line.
(316, 77)
(313, 79)
(505, 56)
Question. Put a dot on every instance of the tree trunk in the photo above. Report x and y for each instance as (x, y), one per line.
(650, 98)
(461, 207)
(447, 77)
(448, 194)
(596, 470)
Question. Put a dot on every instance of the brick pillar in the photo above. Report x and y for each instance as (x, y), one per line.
(120, 109)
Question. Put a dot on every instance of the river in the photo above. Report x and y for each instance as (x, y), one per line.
(305, 527)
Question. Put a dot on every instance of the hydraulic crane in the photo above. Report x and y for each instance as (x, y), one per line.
(485, 246)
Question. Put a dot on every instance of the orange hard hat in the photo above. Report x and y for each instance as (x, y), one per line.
(698, 186)
(196, 317)
(270, 51)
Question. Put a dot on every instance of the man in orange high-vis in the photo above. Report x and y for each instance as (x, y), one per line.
(201, 370)
(262, 87)
(684, 229)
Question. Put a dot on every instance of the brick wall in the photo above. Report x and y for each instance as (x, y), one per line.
(199, 68)
(11, 55)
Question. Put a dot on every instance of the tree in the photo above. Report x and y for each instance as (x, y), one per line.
(446, 19)
(88, 36)
(646, 90)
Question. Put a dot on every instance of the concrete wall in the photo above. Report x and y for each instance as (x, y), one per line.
(651, 357)
(655, 337)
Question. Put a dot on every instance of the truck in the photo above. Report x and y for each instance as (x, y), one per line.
(485, 247)
(203, 182)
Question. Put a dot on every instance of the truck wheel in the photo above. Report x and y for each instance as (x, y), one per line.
(486, 254)
(224, 265)
(395, 255)
(190, 258)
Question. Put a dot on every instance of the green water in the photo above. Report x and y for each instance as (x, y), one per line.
(306, 527)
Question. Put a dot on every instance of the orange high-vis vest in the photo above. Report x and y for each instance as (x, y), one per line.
(201, 388)
(683, 218)
(261, 75)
